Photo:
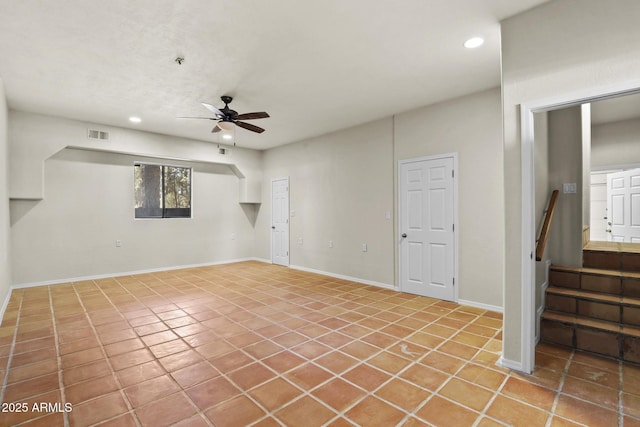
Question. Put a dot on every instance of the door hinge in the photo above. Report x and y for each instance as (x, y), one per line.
(453, 227)
(452, 173)
(287, 253)
(454, 281)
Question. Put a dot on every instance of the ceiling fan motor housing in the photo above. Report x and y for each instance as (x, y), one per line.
(228, 118)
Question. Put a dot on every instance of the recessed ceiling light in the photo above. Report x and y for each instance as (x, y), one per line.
(227, 136)
(474, 42)
(134, 119)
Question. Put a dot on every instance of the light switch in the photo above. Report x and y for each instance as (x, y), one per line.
(569, 188)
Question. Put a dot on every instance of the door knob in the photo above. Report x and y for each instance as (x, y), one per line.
(404, 235)
(273, 227)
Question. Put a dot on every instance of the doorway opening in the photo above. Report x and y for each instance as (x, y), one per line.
(528, 212)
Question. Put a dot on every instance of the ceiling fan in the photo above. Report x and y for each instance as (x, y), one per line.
(227, 118)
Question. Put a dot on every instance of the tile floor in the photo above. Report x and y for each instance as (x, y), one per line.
(255, 344)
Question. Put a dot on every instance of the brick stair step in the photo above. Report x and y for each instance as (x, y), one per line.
(612, 308)
(595, 271)
(594, 296)
(572, 319)
(624, 258)
(631, 331)
(595, 280)
(595, 246)
(576, 320)
(592, 335)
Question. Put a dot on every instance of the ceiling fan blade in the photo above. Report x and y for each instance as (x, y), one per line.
(204, 118)
(250, 127)
(215, 129)
(213, 109)
(250, 116)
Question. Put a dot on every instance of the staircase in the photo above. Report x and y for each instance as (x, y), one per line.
(596, 307)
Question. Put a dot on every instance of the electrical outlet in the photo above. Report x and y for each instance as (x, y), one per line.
(233, 236)
(387, 215)
(118, 243)
(300, 241)
(330, 243)
(364, 247)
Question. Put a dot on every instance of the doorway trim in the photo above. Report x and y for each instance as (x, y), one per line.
(528, 234)
(456, 233)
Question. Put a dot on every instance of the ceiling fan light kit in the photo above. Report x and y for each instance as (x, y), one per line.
(227, 119)
(226, 125)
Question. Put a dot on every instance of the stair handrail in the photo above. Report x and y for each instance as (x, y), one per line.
(546, 225)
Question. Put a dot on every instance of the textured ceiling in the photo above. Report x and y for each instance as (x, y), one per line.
(316, 67)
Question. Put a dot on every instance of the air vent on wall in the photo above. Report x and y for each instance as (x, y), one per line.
(98, 135)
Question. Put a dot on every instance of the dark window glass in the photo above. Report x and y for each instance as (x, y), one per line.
(162, 191)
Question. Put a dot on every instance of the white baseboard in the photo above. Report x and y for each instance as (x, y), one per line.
(5, 304)
(480, 305)
(179, 267)
(110, 275)
(343, 277)
(509, 364)
(126, 273)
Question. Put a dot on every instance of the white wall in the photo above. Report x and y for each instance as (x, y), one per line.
(565, 166)
(470, 126)
(341, 186)
(88, 205)
(34, 138)
(616, 143)
(559, 49)
(5, 254)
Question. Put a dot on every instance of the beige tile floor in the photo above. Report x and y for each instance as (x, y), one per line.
(255, 344)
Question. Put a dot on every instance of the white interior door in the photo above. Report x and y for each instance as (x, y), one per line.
(426, 227)
(623, 206)
(280, 221)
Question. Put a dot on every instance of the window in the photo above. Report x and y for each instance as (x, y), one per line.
(162, 191)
